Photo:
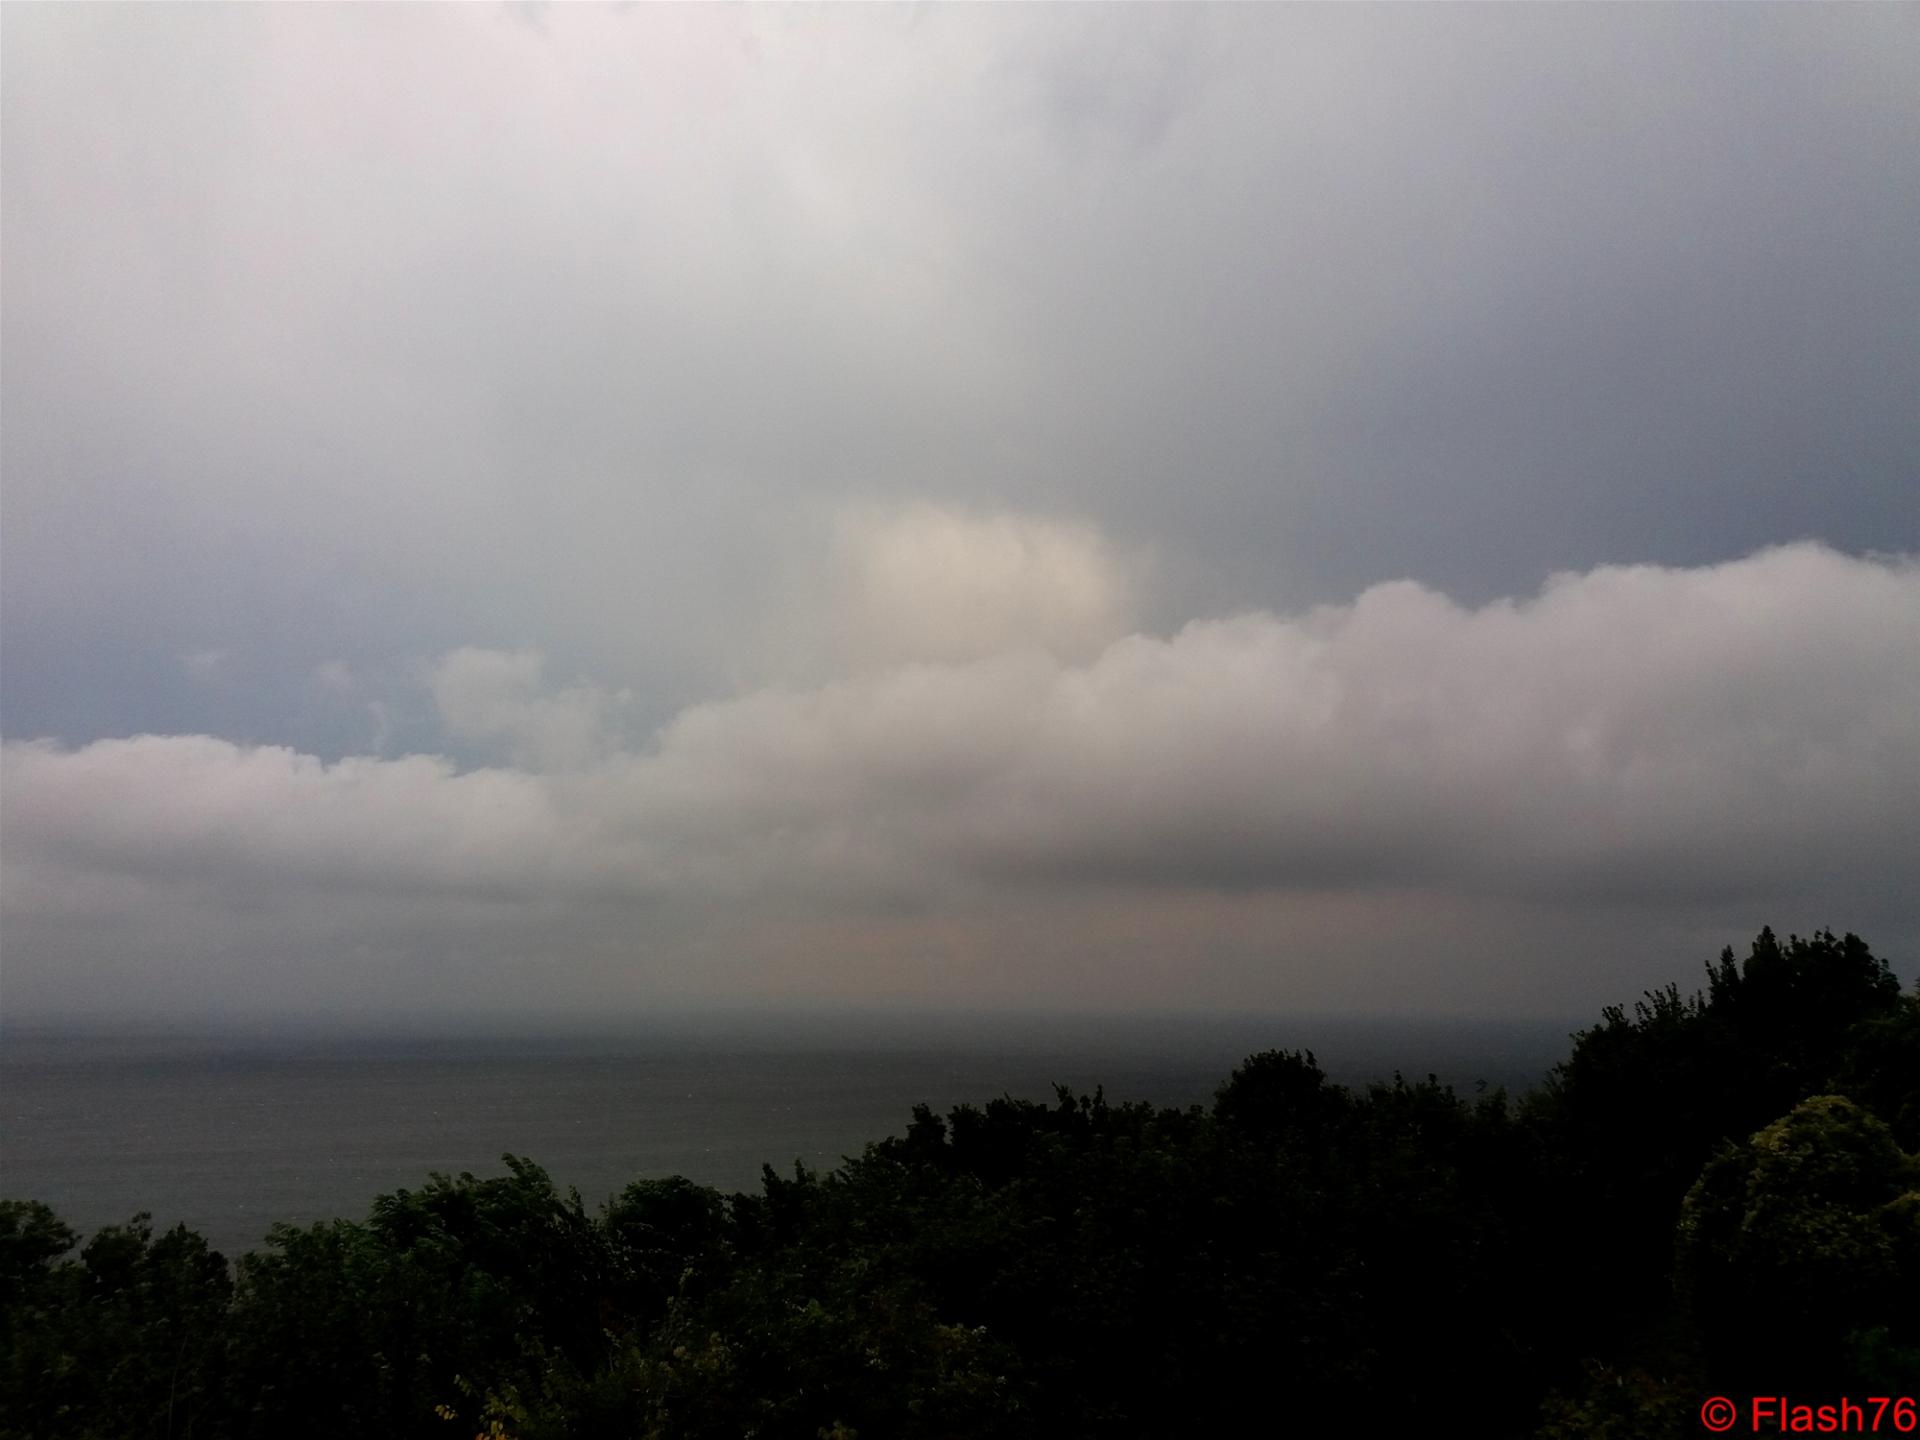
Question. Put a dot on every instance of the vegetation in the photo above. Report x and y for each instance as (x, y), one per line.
(1715, 1193)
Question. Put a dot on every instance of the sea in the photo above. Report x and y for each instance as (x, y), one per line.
(232, 1131)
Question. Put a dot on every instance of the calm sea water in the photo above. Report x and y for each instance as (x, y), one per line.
(231, 1133)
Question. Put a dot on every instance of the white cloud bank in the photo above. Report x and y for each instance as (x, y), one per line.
(1746, 732)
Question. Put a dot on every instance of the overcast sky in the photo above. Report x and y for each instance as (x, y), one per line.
(587, 511)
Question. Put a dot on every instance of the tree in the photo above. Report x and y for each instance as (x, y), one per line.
(127, 1341)
(1797, 1247)
(1646, 1097)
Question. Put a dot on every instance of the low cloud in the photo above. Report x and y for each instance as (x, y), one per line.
(242, 824)
(1633, 732)
(924, 583)
(1744, 733)
(495, 696)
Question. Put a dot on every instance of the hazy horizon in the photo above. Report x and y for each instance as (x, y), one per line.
(540, 514)
(800, 1024)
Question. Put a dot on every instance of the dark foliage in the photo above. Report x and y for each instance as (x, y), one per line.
(1713, 1188)
(1626, 1123)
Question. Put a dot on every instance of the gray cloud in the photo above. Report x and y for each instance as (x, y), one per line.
(489, 695)
(774, 457)
(1742, 735)
(344, 336)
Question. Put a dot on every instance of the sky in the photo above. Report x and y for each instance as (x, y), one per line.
(572, 512)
